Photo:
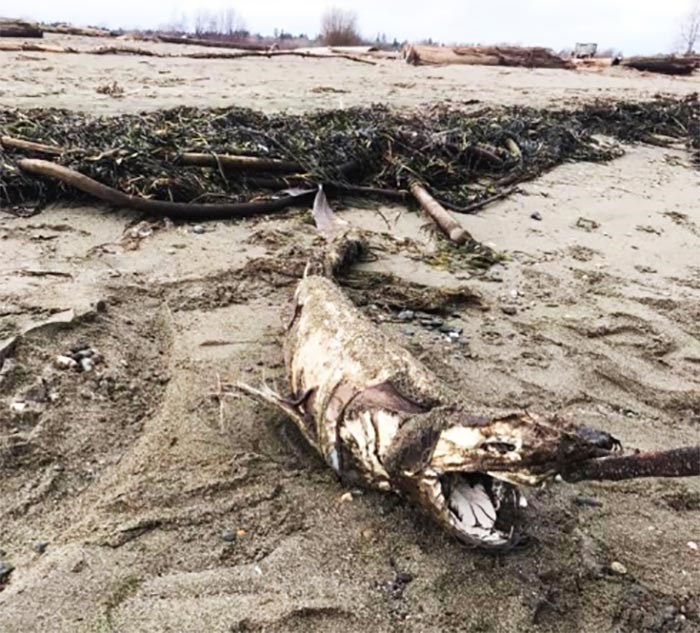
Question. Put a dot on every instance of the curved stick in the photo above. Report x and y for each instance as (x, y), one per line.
(680, 462)
(178, 210)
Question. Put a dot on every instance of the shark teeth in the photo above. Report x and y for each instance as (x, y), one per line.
(475, 513)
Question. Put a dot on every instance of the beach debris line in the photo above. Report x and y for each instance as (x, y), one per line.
(370, 152)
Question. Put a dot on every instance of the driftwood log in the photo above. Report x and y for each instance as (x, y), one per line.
(130, 50)
(444, 220)
(160, 208)
(664, 65)
(19, 28)
(532, 57)
(67, 29)
(179, 39)
(29, 47)
(310, 55)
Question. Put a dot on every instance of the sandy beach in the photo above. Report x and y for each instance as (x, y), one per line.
(131, 500)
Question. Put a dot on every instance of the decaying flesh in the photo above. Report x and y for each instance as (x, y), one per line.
(381, 419)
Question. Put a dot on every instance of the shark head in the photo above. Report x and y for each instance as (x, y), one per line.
(468, 472)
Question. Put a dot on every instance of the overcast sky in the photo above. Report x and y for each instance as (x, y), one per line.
(633, 26)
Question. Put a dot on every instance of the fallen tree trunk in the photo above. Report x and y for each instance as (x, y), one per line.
(663, 65)
(681, 462)
(160, 208)
(448, 225)
(20, 28)
(532, 57)
(240, 163)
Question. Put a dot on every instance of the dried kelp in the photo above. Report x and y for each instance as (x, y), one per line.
(462, 156)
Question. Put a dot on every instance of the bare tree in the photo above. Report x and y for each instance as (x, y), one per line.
(202, 20)
(214, 24)
(232, 22)
(690, 28)
(339, 28)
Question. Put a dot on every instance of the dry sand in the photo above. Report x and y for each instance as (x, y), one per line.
(294, 84)
(132, 473)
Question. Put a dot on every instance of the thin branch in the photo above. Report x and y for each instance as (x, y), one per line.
(448, 225)
(680, 462)
(240, 163)
(10, 142)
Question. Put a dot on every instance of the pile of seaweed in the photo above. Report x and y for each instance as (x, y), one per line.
(461, 155)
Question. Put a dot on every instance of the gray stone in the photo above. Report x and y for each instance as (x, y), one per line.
(229, 536)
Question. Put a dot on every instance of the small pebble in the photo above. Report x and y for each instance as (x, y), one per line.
(589, 502)
(87, 364)
(347, 496)
(618, 568)
(40, 547)
(18, 406)
(198, 229)
(406, 315)
(509, 310)
(463, 340)
(240, 532)
(5, 570)
(79, 347)
(536, 216)
(229, 536)
(65, 362)
(408, 332)
(693, 545)
(450, 330)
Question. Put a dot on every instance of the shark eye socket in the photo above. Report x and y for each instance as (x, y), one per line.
(500, 447)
